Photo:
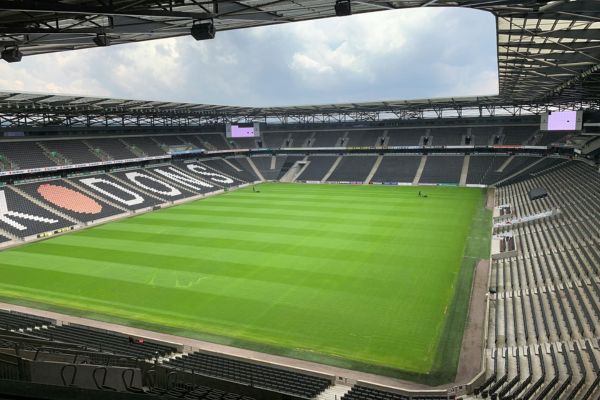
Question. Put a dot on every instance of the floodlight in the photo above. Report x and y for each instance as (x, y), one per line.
(102, 40)
(203, 31)
(343, 8)
(12, 55)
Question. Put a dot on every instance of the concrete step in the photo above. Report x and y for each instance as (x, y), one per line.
(256, 171)
(420, 170)
(334, 392)
(333, 167)
(465, 170)
(374, 169)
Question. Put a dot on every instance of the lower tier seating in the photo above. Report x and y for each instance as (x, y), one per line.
(353, 168)
(223, 167)
(105, 341)
(21, 217)
(11, 320)
(289, 161)
(62, 196)
(190, 391)
(361, 392)
(264, 163)
(442, 169)
(145, 182)
(115, 191)
(317, 168)
(544, 322)
(268, 377)
(397, 169)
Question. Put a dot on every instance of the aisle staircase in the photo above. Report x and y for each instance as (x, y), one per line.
(334, 392)
(374, 169)
(333, 167)
(256, 170)
(420, 170)
(286, 167)
(134, 149)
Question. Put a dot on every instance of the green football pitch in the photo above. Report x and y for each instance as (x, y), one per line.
(368, 277)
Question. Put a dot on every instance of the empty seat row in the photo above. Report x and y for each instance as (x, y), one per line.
(11, 320)
(253, 374)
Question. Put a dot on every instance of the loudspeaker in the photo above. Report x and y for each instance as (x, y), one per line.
(102, 40)
(537, 193)
(204, 31)
(12, 55)
(343, 8)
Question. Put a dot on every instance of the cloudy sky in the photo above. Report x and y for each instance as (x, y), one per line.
(405, 54)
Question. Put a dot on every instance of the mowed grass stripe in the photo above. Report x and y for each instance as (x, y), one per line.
(295, 269)
(151, 266)
(212, 241)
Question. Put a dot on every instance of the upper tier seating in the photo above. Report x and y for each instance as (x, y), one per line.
(115, 191)
(146, 145)
(11, 320)
(216, 140)
(362, 138)
(273, 140)
(397, 168)
(65, 198)
(104, 341)
(295, 383)
(299, 139)
(327, 138)
(244, 143)
(518, 134)
(442, 169)
(168, 140)
(483, 136)
(447, 136)
(353, 169)
(24, 218)
(318, 167)
(74, 150)
(552, 137)
(25, 154)
(406, 137)
(113, 147)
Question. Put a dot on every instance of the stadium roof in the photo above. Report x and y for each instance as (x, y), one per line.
(548, 51)
(45, 110)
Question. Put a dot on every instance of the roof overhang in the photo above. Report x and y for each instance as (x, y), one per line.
(548, 51)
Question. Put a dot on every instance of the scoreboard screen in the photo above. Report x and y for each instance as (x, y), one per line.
(562, 121)
(243, 130)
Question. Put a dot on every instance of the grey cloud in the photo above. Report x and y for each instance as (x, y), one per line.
(389, 55)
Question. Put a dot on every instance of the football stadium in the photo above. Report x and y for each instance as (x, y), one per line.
(440, 248)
